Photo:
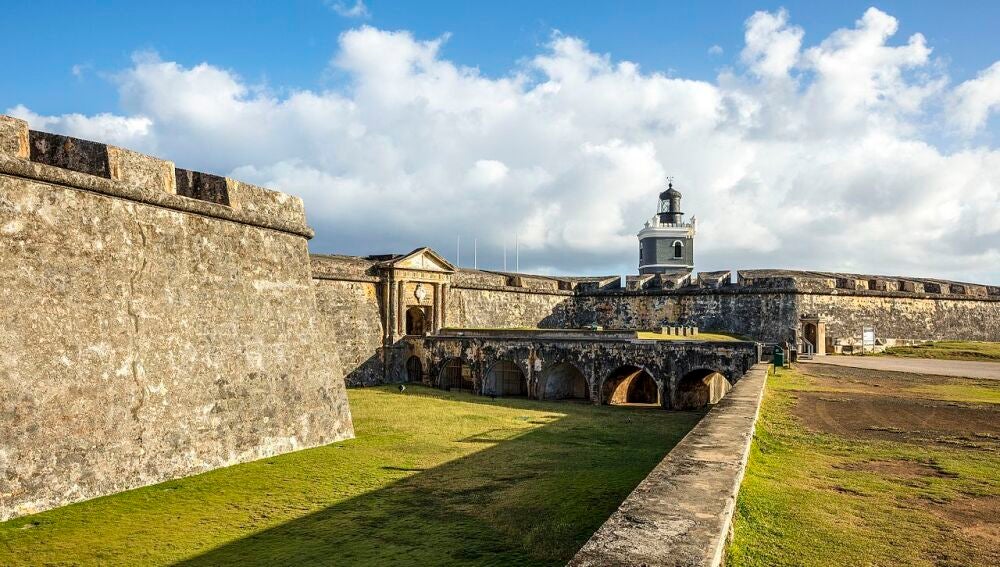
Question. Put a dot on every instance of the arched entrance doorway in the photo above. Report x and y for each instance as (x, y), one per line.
(809, 332)
(563, 381)
(455, 375)
(414, 370)
(415, 321)
(505, 378)
(700, 388)
(630, 385)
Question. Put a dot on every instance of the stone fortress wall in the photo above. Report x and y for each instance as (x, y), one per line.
(155, 322)
(765, 305)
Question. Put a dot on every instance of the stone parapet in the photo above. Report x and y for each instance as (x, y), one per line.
(682, 512)
(126, 174)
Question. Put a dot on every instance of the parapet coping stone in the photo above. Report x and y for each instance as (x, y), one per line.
(144, 179)
(682, 513)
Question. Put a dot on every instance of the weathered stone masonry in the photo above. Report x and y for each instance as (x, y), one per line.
(767, 305)
(147, 335)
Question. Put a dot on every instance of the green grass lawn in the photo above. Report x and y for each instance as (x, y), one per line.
(432, 478)
(949, 350)
(707, 336)
(815, 498)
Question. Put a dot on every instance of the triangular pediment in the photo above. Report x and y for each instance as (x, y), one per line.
(423, 259)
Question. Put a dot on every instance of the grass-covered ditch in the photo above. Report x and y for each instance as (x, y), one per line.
(433, 478)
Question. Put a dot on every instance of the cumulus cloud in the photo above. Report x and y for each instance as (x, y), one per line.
(812, 157)
(357, 10)
(974, 100)
(715, 50)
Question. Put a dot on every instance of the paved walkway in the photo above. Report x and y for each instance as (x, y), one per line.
(964, 368)
(681, 513)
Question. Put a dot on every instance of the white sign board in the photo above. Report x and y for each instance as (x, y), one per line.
(868, 337)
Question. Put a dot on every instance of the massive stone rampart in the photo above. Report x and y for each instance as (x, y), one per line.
(154, 323)
(766, 305)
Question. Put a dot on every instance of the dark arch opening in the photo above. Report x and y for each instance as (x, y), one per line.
(563, 381)
(455, 374)
(699, 388)
(505, 378)
(415, 318)
(678, 250)
(809, 331)
(414, 370)
(630, 385)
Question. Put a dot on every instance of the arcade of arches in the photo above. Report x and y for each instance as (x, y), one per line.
(563, 381)
(505, 378)
(700, 388)
(456, 375)
(630, 385)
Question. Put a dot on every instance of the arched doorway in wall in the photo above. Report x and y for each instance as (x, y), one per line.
(809, 332)
(455, 374)
(505, 379)
(414, 370)
(630, 385)
(700, 388)
(563, 381)
(416, 320)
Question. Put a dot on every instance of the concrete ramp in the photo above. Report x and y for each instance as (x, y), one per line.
(682, 512)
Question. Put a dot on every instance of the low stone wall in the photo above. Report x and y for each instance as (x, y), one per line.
(682, 512)
(144, 334)
(348, 303)
(509, 308)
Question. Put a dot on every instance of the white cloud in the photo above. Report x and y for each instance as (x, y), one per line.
(715, 50)
(814, 156)
(973, 101)
(357, 10)
(772, 46)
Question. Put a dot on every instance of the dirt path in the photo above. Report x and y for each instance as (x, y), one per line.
(964, 368)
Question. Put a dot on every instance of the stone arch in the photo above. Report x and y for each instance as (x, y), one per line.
(563, 380)
(699, 388)
(505, 378)
(678, 249)
(810, 334)
(455, 374)
(416, 321)
(414, 369)
(630, 384)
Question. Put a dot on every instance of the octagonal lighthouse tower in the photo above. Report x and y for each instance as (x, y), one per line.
(666, 243)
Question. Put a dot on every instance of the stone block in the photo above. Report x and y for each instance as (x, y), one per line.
(141, 170)
(14, 137)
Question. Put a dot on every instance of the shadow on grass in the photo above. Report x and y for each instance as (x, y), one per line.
(530, 499)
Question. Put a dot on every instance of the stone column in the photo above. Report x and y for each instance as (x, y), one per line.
(388, 300)
(400, 311)
(436, 306)
(820, 338)
(444, 304)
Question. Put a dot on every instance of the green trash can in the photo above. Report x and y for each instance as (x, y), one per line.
(779, 357)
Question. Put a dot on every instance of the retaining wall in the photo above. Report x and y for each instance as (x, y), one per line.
(682, 512)
(145, 334)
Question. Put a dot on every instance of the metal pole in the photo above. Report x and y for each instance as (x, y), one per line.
(517, 254)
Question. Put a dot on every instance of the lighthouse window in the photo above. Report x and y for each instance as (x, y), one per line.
(678, 250)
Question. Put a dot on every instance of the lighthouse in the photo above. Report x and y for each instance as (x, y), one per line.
(666, 243)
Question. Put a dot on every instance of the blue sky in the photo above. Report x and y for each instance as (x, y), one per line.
(288, 45)
(557, 121)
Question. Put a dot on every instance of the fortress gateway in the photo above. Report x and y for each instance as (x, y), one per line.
(157, 322)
